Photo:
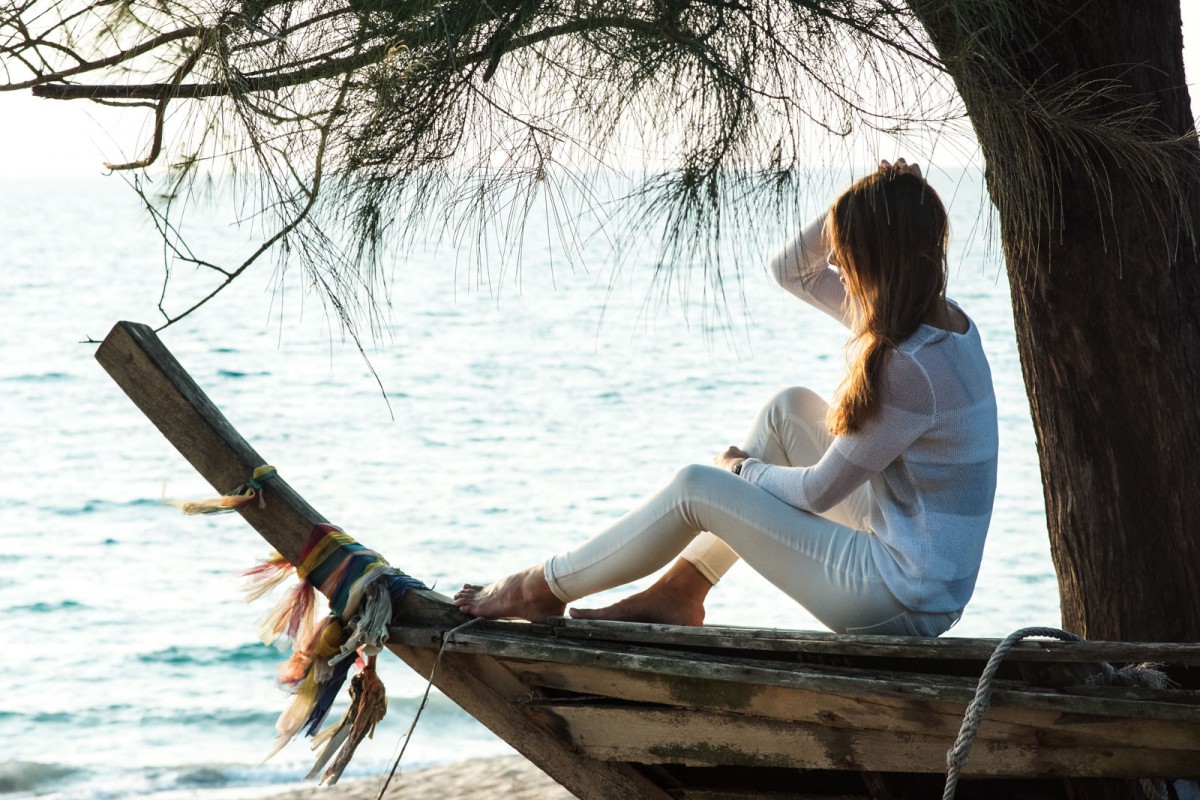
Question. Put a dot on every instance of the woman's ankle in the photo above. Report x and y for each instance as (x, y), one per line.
(684, 578)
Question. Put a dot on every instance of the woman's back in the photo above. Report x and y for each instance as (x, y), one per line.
(933, 502)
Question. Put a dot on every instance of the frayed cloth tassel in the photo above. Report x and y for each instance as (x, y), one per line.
(265, 576)
(315, 689)
(296, 714)
(362, 591)
(213, 505)
(313, 654)
(243, 495)
(368, 705)
(325, 700)
(329, 642)
(294, 616)
(368, 629)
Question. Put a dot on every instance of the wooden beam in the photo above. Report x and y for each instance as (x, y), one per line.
(143, 367)
(699, 738)
(906, 647)
(917, 688)
(158, 385)
(879, 712)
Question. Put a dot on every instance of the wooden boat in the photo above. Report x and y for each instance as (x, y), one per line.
(623, 710)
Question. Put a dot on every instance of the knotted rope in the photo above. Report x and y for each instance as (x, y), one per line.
(956, 757)
(239, 496)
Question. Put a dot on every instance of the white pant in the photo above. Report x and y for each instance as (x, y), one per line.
(824, 562)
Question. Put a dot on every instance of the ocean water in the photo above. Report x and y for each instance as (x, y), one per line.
(524, 410)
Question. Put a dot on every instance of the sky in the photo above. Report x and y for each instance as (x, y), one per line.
(50, 138)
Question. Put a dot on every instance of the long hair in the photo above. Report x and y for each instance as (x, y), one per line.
(889, 232)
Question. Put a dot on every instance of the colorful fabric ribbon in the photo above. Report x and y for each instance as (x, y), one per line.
(362, 590)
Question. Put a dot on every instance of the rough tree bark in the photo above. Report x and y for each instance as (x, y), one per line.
(1107, 305)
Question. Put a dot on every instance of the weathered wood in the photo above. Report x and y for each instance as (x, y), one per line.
(700, 738)
(152, 378)
(1025, 725)
(943, 648)
(886, 714)
(923, 688)
(158, 385)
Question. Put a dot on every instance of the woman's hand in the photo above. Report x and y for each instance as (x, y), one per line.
(730, 458)
(902, 167)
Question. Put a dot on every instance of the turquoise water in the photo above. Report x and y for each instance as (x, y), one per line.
(524, 411)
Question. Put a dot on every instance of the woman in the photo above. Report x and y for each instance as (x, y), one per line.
(871, 514)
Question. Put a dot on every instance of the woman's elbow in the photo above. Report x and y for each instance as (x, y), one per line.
(778, 269)
(819, 505)
(820, 502)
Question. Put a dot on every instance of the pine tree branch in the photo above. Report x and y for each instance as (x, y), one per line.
(195, 91)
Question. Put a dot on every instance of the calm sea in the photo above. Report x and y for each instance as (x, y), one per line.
(525, 409)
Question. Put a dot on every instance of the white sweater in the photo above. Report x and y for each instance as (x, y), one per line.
(929, 453)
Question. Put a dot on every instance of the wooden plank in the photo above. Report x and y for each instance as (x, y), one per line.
(922, 688)
(698, 738)
(512, 643)
(140, 364)
(882, 713)
(781, 640)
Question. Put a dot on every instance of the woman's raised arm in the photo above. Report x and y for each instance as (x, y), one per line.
(803, 269)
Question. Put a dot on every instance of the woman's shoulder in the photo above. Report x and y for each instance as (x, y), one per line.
(907, 382)
(953, 365)
(949, 319)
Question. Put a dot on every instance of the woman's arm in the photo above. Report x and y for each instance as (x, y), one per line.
(803, 269)
(907, 412)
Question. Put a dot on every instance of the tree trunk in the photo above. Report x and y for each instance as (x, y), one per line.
(1106, 296)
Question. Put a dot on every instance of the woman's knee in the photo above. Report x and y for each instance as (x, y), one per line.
(697, 476)
(797, 401)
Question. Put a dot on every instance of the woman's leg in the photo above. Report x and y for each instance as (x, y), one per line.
(676, 598)
(789, 431)
(824, 565)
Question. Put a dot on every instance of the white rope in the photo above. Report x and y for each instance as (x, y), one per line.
(956, 757)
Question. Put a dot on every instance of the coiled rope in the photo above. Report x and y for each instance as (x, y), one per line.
(1133, 675)
(957, 756)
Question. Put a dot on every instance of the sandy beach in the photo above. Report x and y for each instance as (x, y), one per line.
(510, 777)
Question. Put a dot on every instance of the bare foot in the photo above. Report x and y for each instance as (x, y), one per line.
(677, 598)
(522, 595)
